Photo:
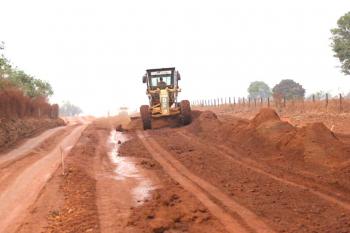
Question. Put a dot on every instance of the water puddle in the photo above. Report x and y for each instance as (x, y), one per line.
(127, 171)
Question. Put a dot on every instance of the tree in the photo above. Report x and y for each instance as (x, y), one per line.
(341, 42)
(289, 89)
(68, 109)
(31, 86)
(259, 89)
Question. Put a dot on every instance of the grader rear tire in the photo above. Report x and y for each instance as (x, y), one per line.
(146, 117)
(185, 108)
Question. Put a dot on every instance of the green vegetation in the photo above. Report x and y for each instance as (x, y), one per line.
(68, 109)
(288, 89)
(14, 77)
(341, 42)
(259, 89)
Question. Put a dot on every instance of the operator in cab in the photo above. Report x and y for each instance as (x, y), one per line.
(162, 84)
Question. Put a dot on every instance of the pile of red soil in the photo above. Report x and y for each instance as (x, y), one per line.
(316, 143)
(265, 115)
(268, 135)
(206, 123)
(12, 130)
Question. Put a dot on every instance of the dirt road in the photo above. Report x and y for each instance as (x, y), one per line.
(220, 175)
(25, 171)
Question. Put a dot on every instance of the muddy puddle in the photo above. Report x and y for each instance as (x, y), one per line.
(127, 170)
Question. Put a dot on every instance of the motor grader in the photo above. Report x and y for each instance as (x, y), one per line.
(162, 92)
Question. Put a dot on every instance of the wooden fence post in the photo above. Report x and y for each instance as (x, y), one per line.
(268, 101)
(284, 101)
(62, 160)
(326, 101)
(340, 103)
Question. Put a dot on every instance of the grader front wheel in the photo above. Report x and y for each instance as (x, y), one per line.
(146, 117)
(185, 108)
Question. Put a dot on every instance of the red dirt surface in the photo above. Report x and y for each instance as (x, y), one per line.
(26, 170)
(287, 175)
(221, 173)
(171, 208)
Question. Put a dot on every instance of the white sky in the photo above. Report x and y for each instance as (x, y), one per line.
(94, 53)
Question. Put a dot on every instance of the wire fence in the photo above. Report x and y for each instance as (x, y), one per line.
(336, 104)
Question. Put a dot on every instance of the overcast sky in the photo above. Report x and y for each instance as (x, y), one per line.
(94, 53)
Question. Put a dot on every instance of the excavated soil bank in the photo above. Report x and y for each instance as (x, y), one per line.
(13, 130)
(267, 133)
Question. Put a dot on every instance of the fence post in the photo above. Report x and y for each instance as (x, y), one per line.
(326, 101)
(234, 100)
(284, 101)
(254, 102)
(261, 101)
(340, 103)
(268, 101)
(62, 160)
(249, 102)
(313, 98)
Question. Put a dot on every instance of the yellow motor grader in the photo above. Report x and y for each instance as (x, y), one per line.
(162, 91)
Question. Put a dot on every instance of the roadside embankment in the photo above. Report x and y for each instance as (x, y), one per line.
(13, 130)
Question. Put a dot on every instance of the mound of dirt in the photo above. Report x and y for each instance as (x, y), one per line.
(317, 144)
(268, 135)
(206, 124)
(264, 115)
(319, 133)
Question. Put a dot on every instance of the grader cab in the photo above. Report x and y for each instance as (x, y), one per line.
(162, 92)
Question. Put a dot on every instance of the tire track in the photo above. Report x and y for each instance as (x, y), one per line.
(247, 221)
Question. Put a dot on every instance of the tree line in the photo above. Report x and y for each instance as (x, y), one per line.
(287, 88)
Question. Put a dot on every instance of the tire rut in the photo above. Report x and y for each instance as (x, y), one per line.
(244, 220)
